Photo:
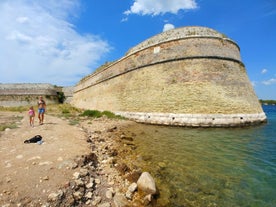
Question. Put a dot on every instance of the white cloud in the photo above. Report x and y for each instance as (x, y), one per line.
(253, 83)
(168, 27)
(22, 19)
(39, 44)
(270, 81)
(146, 7)
(264, 71)
(124, 19)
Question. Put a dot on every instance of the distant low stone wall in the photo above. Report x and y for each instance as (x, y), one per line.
(23, 94)
(27, 89)
(68, 93)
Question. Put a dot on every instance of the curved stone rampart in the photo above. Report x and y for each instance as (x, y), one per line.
(197, 48)
(190, 71)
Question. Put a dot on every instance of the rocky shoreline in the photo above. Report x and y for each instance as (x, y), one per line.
(90, 162)
(105, 177)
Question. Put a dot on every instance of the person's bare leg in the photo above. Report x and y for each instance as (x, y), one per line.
(39, 117)
(42, 118)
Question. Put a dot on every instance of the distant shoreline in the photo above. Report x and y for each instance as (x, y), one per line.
(268, 102)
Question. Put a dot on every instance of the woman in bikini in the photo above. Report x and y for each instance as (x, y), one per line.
(41, 109)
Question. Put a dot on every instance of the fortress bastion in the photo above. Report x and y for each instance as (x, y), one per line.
(189, 76)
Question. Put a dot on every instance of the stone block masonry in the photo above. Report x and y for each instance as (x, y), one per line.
(190, 76)
(23, 94)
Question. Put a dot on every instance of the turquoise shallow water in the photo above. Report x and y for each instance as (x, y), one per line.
(211, 167)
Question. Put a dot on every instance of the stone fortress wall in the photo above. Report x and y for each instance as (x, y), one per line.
(190, 76)
(68, 93)
(22, 94)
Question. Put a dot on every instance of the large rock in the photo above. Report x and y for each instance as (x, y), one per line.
(120, 201)
(146, 183)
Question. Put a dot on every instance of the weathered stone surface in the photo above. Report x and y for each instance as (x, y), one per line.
(83, 172)
(96, 200)
(109, 194)
(89, 195)
(132, 187)
(120, 201)
(130, 191)
(146, 183)
(76, 175)
(106, 204)
(55, 196)
(77, 195)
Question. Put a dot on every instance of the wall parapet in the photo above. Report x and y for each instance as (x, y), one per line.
(151, 44)
(180, 33)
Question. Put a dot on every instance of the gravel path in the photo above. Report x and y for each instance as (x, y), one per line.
(32, 171)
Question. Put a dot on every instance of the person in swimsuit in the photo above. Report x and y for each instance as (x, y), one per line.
(41, 109)
(31, 115)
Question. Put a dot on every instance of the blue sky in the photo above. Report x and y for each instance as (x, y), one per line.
(59, 42)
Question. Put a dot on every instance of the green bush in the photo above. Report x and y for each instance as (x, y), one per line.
(268, 102)
(108, 114)
(92, 113)
(61, 97)
(65, 111)
(5, 126)
(111, 115)
(98, 114)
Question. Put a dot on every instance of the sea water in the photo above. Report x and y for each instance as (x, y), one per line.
(210, 166)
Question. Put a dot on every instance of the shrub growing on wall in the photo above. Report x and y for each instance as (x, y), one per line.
(61, 97)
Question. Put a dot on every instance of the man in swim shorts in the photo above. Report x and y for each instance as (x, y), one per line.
(41, 109)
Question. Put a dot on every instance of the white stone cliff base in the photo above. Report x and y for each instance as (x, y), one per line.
(196, 120)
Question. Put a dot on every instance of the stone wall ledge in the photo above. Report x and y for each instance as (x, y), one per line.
(196, 120)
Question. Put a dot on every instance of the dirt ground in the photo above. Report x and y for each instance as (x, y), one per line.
(33, 171)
